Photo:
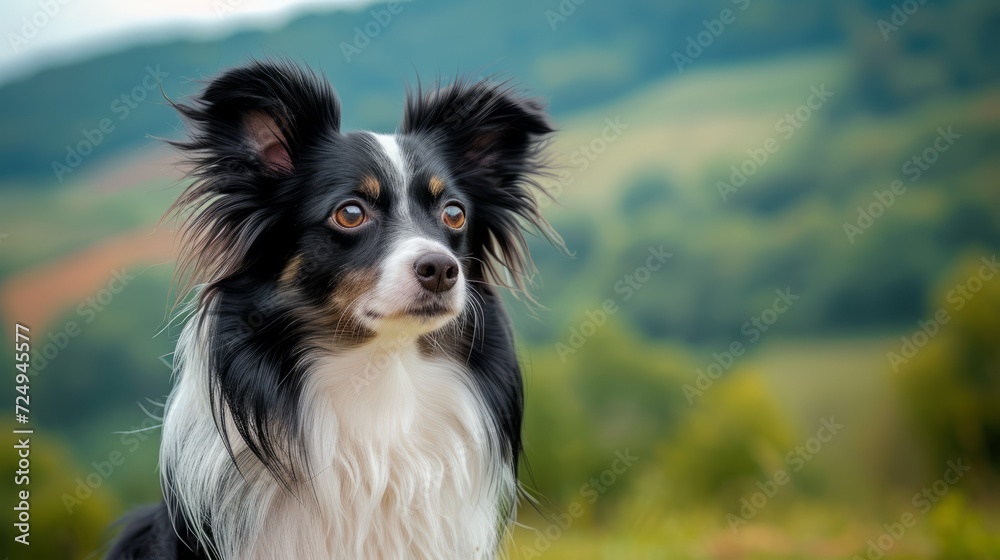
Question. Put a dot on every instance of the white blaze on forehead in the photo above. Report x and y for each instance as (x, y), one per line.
(393, 154)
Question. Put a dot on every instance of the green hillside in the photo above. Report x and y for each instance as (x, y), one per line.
(600, 51)
(752, 239)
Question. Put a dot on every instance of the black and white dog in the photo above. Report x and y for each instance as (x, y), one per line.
(346, 385)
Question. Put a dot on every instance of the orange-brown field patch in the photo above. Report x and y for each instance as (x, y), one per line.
(38, 296)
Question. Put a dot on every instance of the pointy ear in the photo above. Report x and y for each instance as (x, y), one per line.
(247, 131)
(493, 140)
(258, 118)
(480, 125)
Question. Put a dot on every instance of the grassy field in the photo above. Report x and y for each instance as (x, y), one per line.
(847, 497)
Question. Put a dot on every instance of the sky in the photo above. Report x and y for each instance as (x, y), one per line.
(40, 33)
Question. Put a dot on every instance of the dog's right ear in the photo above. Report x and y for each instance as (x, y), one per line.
(258, 119)
(247, 132)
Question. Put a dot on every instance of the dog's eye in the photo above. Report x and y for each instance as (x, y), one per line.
(453, 216)
(350, 215)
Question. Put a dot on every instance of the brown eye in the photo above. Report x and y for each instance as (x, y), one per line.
(453, 216)
(349, 216)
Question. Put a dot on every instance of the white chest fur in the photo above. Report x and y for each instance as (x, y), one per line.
(403, 461)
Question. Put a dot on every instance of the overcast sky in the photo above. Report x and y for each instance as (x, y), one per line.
(34, 38)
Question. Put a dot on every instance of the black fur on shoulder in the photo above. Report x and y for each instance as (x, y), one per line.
(148, 534)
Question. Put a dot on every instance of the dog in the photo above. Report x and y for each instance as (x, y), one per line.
(346, 383)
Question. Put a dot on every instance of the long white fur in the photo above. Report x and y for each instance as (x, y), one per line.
(404, 462)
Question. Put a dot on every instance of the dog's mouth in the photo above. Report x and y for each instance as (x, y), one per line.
(420, 288)
(432, 310)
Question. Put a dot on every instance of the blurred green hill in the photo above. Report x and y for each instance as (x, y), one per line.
(577, 55)
(840, 207)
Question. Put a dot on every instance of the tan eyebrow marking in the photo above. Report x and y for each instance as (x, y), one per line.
(291, 271)
(370, 186)
(436, 185)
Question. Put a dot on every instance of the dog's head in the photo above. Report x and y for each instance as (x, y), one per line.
(368, 232)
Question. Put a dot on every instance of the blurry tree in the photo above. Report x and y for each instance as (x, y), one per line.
(732, 438)
(615, 393)
(951, 384)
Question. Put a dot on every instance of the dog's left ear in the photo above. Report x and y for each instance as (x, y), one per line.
(492, 138)
(481, 126)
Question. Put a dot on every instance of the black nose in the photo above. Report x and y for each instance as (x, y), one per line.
(437, 272)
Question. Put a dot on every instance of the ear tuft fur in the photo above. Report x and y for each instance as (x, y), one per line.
(247, 130)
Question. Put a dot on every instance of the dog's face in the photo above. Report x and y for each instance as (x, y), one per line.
(385, 234)
(367, 233)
